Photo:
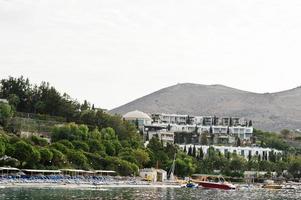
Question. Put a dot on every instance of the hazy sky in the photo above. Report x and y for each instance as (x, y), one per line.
(114, 51)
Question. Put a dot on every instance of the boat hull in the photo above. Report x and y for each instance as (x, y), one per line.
(222, 186)
(275, 187)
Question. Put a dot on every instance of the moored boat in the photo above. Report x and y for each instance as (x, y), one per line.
(270, 184)
(213, 182)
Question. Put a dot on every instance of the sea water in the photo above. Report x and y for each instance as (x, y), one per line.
(145, 194)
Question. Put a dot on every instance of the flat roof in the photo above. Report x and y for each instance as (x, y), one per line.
(41, 171)
(72, 170)
(56, 171)
(104, 171)
(9, 168)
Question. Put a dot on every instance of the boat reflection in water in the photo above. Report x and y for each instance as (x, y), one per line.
(212, 182)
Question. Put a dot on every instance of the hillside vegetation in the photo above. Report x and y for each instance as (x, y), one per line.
(84, 137)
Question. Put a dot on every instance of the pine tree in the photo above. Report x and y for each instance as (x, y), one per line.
(190, 151)
(137, 123)
(228, 155)
(272, 156)
(210, 130)
(168, 127)
(194, 151)
(196, 129)
(201, 154)
(238, 142)
(249, 156)
(204, 140)
(85, 105)
(231, 122)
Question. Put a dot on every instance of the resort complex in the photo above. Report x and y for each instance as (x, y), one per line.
(186, 129)
(231, 135)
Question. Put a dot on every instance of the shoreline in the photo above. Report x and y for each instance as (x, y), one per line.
(83, 186)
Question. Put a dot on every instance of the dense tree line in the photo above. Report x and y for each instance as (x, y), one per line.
(45, 100)
(73, 146)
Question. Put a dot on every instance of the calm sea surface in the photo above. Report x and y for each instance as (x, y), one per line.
(145, 194)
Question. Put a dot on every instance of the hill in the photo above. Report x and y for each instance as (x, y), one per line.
(269, 111)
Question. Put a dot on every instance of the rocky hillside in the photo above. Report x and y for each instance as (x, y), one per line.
(269, 111)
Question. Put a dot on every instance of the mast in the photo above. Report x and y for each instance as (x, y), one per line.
(172, 169)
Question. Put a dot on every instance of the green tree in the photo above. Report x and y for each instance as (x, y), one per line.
(95, 134)
(201, 155)
(85, 106)
(294, 167)
(39, 107)
(109, 147)
(280, 166)
(95, 146)
(46, 156)
(13, 100)
(25, 153)
(60, 147)
(238, 142)
(204, 140)
(5, 114)
(2, 148)
(58, 158)
(123, 167)
(67, 144)
(285, 133)
(78, 159)
(194, 151)
(20, 87)
(185, 149)
(37, 140)
(237, 163)
(253, 164)
(190, 151)
(80, 145)
(265, 165)
(185, 165)
(141, 156)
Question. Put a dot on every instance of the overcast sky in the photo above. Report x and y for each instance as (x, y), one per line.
(113, 51)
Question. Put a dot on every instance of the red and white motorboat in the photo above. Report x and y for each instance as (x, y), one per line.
(212, 182)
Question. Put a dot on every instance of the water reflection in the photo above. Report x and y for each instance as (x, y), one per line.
(146, 194)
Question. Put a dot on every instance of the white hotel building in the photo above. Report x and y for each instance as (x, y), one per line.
(167, 126)
(243, 151)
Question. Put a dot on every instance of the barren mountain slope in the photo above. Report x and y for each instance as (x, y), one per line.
(269, 111)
